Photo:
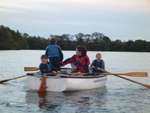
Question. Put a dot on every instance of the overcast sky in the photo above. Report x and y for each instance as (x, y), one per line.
(118, 19)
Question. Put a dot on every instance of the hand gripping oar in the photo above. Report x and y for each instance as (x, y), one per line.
(6, 80)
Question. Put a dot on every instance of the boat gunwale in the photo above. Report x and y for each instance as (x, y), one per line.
(74, 76)
(83, 77)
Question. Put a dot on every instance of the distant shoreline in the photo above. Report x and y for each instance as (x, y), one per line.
(14, 40)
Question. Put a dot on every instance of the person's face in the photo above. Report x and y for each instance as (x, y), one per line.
(78, 52)
(44, 61)
(98, 56)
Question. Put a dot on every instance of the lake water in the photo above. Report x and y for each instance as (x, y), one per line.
(119, 96)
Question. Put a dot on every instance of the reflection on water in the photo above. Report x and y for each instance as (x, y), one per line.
(79, 102)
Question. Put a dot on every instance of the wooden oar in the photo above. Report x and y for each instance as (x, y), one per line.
(6, 80)
(145, 85)
(133, 81)
(131, 74)
(31, 69)
(36, 68)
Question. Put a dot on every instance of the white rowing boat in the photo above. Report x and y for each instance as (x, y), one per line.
(62, 83)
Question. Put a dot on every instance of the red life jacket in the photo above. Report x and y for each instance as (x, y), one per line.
(81, 63)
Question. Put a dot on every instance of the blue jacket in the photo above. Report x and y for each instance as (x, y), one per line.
(98, 64)
(53, 50)
(45, 68)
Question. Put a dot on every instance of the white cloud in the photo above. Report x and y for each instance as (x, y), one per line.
(113, 5)
(117, 18)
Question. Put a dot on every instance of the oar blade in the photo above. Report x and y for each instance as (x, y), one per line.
(31, 69)
(147, 86)
(137, 74)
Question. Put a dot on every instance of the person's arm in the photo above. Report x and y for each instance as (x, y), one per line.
(103, 65)
(49, 67)
(87, 61)
(46, 53)
(87, 64)
(69, 60)
(93, 64)
(61, 54)
(42, 68)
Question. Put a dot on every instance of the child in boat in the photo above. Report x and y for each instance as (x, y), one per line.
(98, 65)
(54, 53)
(80, 60)
(45, 66)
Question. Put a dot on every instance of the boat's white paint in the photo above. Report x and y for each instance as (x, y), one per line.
(84, 84)
(53, 83)
(58, 84)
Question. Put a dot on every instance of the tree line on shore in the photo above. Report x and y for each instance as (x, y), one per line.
(14, 40)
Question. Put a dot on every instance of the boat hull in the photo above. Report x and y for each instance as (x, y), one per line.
(67, 83)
